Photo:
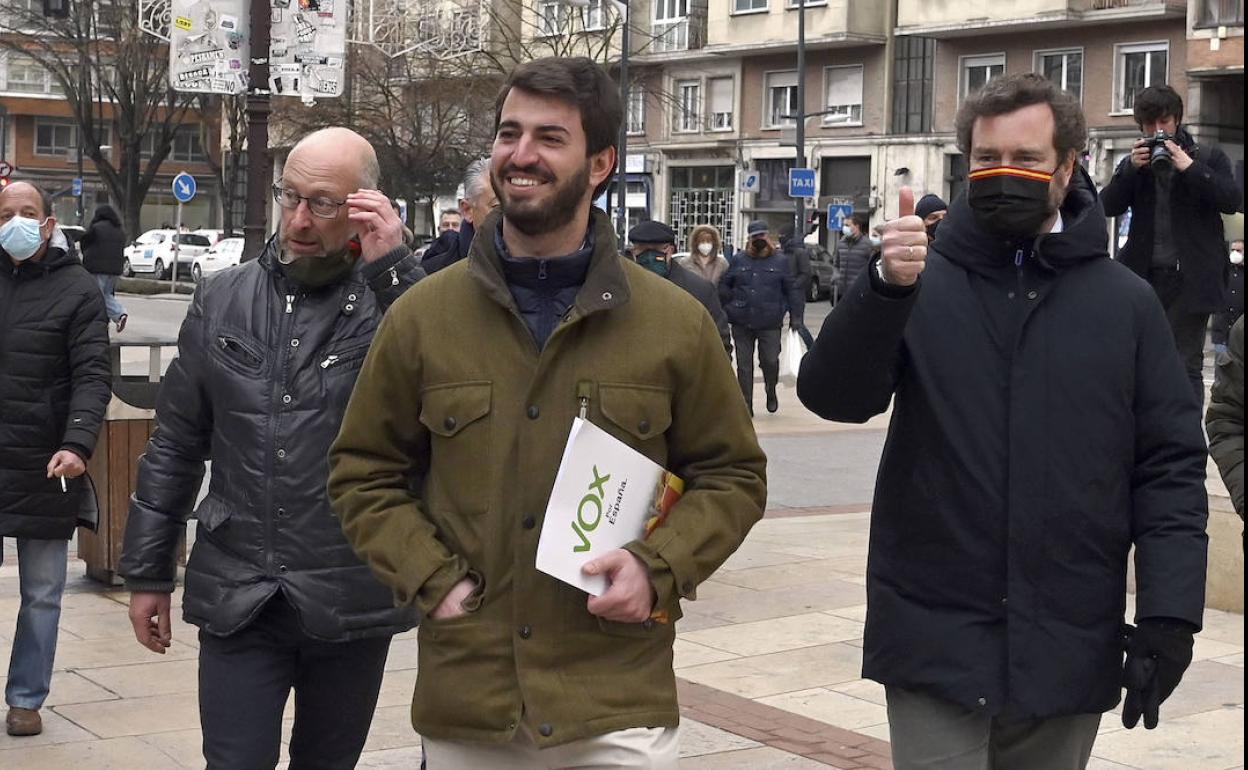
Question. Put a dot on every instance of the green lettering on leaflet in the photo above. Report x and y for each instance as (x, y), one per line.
(582, 525)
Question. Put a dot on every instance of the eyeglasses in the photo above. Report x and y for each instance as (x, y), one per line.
(325, 208)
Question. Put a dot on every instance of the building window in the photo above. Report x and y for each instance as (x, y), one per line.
(781, 94)
(745, 6)
(809, 4)
(671, 25)
(594, 16)
(551, 19)
(719, 104)
(1064, 68)
(24, 75)
(1219, 13)
(688, 106)
(1138, 66)
(843, 90)
(636, 111)
(185, 147)
(54, 137)
(977, 70)
(914, 60)
(773, 182)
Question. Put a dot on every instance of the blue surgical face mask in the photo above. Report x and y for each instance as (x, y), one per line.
(847, 230)
(876, 241)
(20, 237)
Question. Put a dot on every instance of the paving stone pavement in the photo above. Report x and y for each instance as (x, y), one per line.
(768, 658)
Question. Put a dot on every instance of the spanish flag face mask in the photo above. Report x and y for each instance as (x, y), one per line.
(1010, 202)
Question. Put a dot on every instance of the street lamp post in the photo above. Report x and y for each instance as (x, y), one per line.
(621, 175)
(800, 227)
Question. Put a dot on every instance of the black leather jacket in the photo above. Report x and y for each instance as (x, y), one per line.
(261, 381)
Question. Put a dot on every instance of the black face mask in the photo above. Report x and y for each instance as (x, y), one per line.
(760, 244)
(931, 230)
(1010, 202)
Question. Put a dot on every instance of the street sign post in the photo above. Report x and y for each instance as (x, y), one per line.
(6, 168)
(750, 181)
(184, 188)
(801, 183)
(838, 212)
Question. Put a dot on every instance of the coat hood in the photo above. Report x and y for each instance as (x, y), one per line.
(1084, 235)
(707, 230)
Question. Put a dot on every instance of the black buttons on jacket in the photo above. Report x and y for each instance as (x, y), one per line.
(648, 624)
(294, 343)
(281, 513)
(643, 427)
(525, 632)
(528, 522)
(982, 701)
(1032, 295)
(546, 730)
(533, 412)
(281, 454)
(282, 569)
(449, 423)
(286, 399)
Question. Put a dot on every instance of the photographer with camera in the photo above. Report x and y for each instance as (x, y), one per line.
(1175, 189)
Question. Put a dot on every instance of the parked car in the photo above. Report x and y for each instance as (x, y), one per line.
(823, 274)
(222, 254)
(152, 253)
(213, 236)
(73, 234)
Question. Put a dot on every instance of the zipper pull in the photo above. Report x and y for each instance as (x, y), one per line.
(290, 304)
(1018, 258)
(329, 361)
(225, 344)
(584, 406)
(394, 276)
(541, 270)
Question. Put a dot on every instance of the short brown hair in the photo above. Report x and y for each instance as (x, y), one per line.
(1004, 95)
(577, 81)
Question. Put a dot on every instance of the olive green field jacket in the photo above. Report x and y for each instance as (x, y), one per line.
(445, 463)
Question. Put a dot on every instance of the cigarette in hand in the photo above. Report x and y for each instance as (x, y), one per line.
(64, 488)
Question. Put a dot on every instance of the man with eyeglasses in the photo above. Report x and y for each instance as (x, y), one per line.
(267, 358)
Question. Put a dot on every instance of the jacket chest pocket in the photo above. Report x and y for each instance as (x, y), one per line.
(461, 472)
(639, 415)
(239, 352)
(339, 364)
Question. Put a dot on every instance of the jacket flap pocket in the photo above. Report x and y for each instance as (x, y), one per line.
(643, 411)
(213, 512)
(448, 409)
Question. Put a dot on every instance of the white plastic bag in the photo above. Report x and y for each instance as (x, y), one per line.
(791, 354)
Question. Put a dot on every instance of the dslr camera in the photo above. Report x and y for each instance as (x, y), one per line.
(1159, 156)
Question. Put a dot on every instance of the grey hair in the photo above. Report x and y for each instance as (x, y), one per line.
(476, 178)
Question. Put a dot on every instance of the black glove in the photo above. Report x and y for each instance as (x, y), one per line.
(1158, 652)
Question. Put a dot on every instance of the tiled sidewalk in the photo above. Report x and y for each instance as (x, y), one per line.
(768, 657)
(769, 660)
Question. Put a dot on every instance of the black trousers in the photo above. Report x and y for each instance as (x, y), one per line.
(246, 678)
(743, 340)
(1188, 328)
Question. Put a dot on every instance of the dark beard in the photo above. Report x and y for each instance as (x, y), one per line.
(534, 219)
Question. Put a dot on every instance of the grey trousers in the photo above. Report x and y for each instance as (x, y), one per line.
(928, 733)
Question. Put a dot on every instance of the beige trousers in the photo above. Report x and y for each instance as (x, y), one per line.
(638, 748)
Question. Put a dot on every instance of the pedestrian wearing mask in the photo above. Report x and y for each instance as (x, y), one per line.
(1176, 190)
(931, 208)
(757, 290)
(1025, 459)
(853, 252)
(55, 384)
(1234, 307)
(654, 243)
(705, 256)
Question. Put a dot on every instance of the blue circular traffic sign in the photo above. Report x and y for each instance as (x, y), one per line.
(184, 187)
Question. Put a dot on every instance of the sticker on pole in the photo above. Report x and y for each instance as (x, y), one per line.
(184, 187)
(750, 181)
(209, 46)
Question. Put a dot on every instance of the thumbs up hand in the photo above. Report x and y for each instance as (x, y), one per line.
(904, 248)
